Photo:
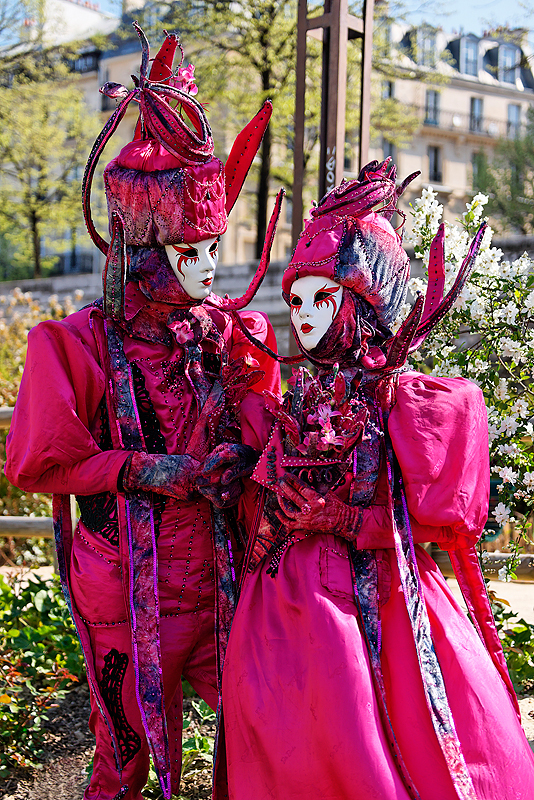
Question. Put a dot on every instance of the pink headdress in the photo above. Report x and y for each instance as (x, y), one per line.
(166, 186)
(350, 240)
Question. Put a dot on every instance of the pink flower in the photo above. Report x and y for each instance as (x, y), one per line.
(185, 79)
(182, 331)
(250, 362)
(323, 414)
(329, 436)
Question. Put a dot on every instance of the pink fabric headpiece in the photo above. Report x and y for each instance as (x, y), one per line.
(348, 242)
(166, 186)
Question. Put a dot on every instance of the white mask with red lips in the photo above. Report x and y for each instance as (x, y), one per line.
(314, 301)
(194, 265)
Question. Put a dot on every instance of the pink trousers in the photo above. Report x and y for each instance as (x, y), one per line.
(187, 645)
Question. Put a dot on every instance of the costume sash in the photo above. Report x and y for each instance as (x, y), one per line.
(140, 563)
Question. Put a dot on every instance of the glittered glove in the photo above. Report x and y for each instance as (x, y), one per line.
(220, 479)
(304, 509)
(174, 476)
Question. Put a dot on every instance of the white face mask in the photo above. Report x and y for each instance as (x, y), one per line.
(314, 301)
(194, 265)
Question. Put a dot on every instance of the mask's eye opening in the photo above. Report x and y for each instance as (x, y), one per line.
(320, 296)
(214, 247)
(189, 252)
(295, 300)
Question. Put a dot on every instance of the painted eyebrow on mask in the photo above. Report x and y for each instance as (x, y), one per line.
(190, 252)
(324, 295)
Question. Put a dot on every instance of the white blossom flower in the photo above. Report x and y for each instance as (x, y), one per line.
(493, 432)
(503, 575)
(511, 349)
(507, 474)
(477, 309)
(520, 407)
(501, 390)
(528, 480)
(509, 425)
(501, 513)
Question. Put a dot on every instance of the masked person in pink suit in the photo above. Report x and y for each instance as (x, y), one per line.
(130, 404)
(351, 672)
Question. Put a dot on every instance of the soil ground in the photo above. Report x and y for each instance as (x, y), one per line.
(68, 752)
(69, 748)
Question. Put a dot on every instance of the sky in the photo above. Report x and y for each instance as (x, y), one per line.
(474, 16)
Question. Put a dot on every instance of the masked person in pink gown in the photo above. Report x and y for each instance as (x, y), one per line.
(129, 404)
(351, 672)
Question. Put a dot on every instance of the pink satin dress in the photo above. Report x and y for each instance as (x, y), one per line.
(301, 717)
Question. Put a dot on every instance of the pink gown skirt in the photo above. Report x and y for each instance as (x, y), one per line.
(301, 715)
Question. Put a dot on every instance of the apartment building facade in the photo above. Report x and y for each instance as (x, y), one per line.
(483, 91)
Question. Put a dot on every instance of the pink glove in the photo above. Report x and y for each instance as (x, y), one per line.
(302, 508)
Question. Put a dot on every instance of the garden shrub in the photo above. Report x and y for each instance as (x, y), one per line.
(40, 659)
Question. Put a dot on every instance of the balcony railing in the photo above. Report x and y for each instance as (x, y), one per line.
(467, 123)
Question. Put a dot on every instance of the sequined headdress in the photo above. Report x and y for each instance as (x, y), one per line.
(166, 186)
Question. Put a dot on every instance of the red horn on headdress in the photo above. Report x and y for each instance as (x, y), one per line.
(161, 68)
(226, 304)
(243, 152)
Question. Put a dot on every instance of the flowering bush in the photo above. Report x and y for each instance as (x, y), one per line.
(489, 338)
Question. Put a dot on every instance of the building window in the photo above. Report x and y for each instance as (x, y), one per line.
(470, 52)
(426, 47)
(389, 150)
(434, 164)
(514, 121)
(507, 63)
(475, 117)
(86, 62)
(388, 90)
(432, 107)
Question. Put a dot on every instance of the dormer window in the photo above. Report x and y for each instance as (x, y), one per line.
(470, 57)
(508, 63)
(426, 47)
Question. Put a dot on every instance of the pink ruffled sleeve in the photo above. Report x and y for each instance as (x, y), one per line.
(439, 432)
(50, 447)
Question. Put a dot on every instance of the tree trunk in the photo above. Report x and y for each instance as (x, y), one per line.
(36, 246)
(263, 191)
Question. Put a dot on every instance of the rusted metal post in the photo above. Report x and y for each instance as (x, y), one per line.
(300, 109)
(335, 37)
(338, 27)
(365, 92)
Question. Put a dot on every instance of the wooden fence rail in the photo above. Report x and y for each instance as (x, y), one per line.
(41, 528)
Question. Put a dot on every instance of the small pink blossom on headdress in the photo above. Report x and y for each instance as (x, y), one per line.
(184, 79)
